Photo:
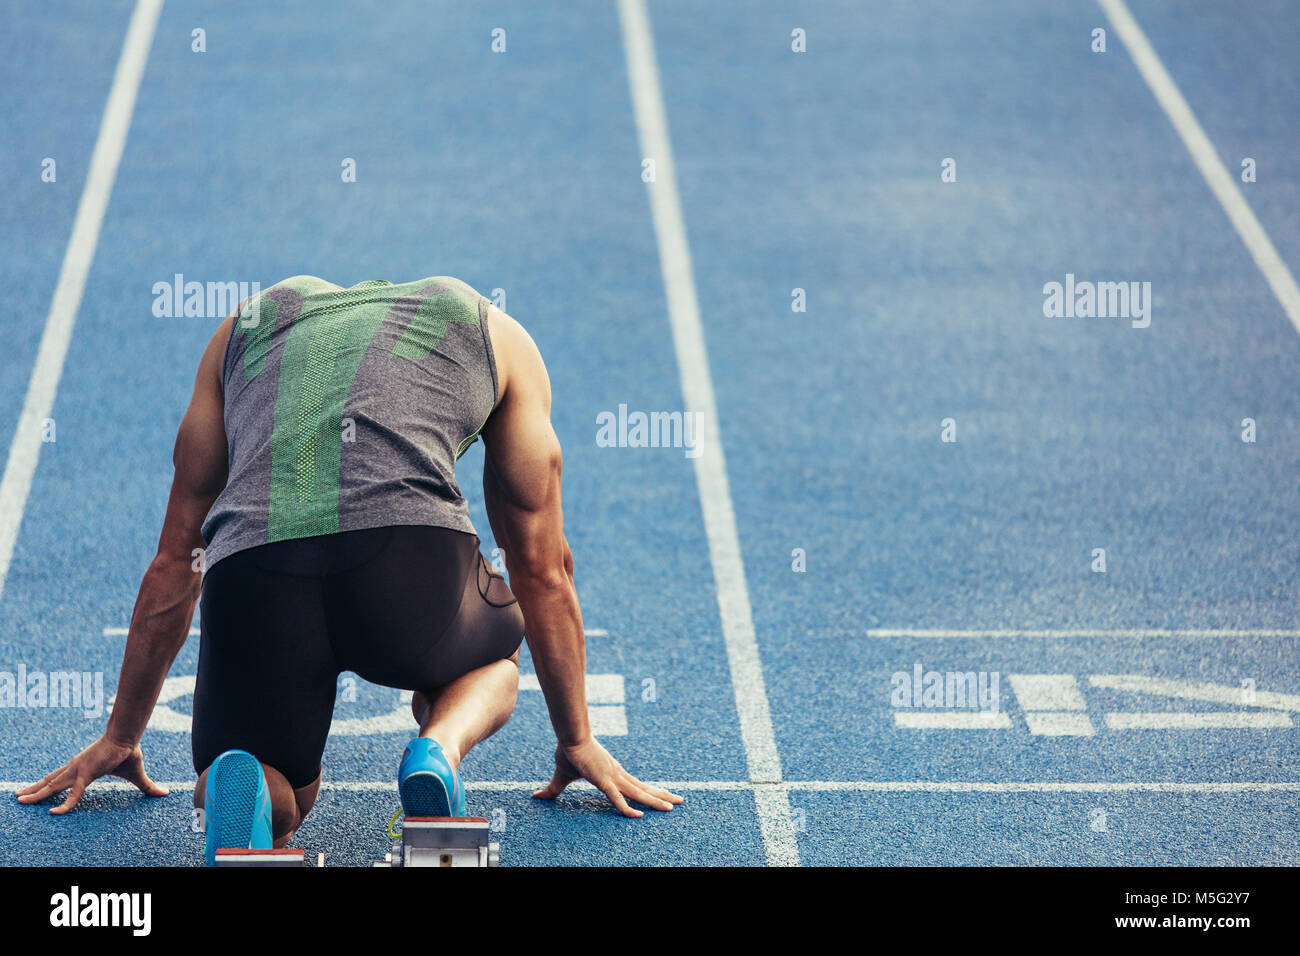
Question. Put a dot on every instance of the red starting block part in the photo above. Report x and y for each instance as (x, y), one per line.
(239, 857)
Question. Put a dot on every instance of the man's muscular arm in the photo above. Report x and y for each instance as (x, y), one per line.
(160, 622)
(164, 607)
(521, 487)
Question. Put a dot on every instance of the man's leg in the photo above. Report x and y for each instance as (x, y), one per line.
(289, 807)
(428, 614)
(267, 673)
(470, 709)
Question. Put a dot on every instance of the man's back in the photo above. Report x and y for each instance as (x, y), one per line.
(346, 409)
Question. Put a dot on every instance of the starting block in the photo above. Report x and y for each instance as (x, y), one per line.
(426, 841)
(444, 841)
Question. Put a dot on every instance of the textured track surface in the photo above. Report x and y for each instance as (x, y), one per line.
(818, 171)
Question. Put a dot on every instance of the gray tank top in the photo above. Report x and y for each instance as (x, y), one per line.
(347, 409)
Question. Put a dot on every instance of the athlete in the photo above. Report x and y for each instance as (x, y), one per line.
(315, 490)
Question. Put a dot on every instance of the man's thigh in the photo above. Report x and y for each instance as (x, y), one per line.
(423, 612)
(267, 675)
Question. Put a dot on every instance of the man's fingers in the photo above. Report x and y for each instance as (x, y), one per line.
(616, 797)
(47, 786)
(663, 794)
(134, 772)
(74, 797)
(31, 795)
(30, 789)
(609, 777)
(43, 783)
(643, 796)
(650, 795)
(554, 788)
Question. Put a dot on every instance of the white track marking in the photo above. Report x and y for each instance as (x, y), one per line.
(798, 786)
(764, 763)
(396, 721)
(25, 450)
(604, 697)
(954, 786)
(607, 720)
(1199, 720)
(951, 720)
(1191, 690)
(163, 717)
(605, 700)
(1221, 182)
(1047, 691)
(601, 688)
(1067, 633)
(776, 822)
(1059, 724)
(942, 633)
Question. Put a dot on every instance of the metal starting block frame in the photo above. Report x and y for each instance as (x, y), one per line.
(444, 841)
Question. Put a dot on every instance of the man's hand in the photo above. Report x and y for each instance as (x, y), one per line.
(103, 757)
(591, 762)
(160, 621)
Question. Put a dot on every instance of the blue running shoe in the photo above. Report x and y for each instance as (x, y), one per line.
(428, 785)
(236, 805)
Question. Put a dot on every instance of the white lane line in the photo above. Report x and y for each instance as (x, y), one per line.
(1198, 720)
(25, 450)
(1038, 786)
(1067, 633)
(1191, 690)
(951, 720)
(1221, 182)
(764, 763)
(805, 786)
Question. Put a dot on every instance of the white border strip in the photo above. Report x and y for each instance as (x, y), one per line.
(1198, 720)
(1051, 634)
(764, 763)
(25, 449)
(951, 720)
(1192, 690)
(1221, 183)
(811, 786)
(943, 633)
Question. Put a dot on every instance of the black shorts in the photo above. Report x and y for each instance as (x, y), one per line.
(410, 607)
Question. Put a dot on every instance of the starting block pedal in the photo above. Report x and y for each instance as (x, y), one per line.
(237, 857)
(444, 841)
